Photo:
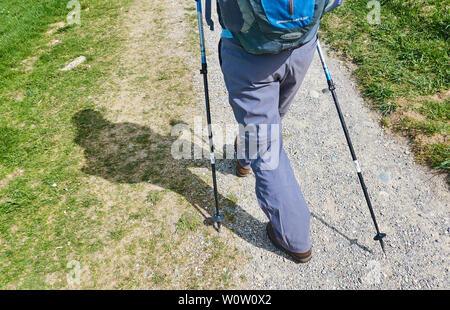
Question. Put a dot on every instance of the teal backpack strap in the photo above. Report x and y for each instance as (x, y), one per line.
(226, 34)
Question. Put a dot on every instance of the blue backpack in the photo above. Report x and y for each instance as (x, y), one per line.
(273, 26)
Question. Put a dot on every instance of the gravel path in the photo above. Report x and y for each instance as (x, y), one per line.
(410, 201)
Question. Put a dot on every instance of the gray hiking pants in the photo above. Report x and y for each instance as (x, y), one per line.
(261, 89)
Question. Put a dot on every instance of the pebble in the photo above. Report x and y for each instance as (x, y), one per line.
(75, 63)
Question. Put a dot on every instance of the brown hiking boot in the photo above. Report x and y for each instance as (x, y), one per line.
(298, 257)
(240, 171)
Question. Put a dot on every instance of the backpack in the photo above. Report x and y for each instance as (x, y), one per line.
(273, 26)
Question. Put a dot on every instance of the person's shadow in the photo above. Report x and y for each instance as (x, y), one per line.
(131, 153)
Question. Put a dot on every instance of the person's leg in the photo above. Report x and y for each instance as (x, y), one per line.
(299, 63)
(253, 83)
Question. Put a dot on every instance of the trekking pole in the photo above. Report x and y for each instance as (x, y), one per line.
(379, 236)
(218, 216)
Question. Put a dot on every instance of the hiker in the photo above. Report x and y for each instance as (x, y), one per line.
(265, 51)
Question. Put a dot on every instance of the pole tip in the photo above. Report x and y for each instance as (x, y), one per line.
(382, 246)
(217, 221)
(380, 237)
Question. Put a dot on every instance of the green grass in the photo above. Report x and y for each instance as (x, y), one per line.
(37, 220)
(436, 110)
(427, 127)
(22, 22)
(189, 221)
(155, 196)
(64, 194)
(436, 155)
(401, 62)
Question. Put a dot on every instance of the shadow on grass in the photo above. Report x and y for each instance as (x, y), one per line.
(131, 153)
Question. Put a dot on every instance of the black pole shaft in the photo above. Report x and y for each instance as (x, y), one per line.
(379, 236)
(210, 136)
(352, 151)
(218, 217)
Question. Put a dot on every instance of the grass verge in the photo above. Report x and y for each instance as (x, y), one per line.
(402, 67)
